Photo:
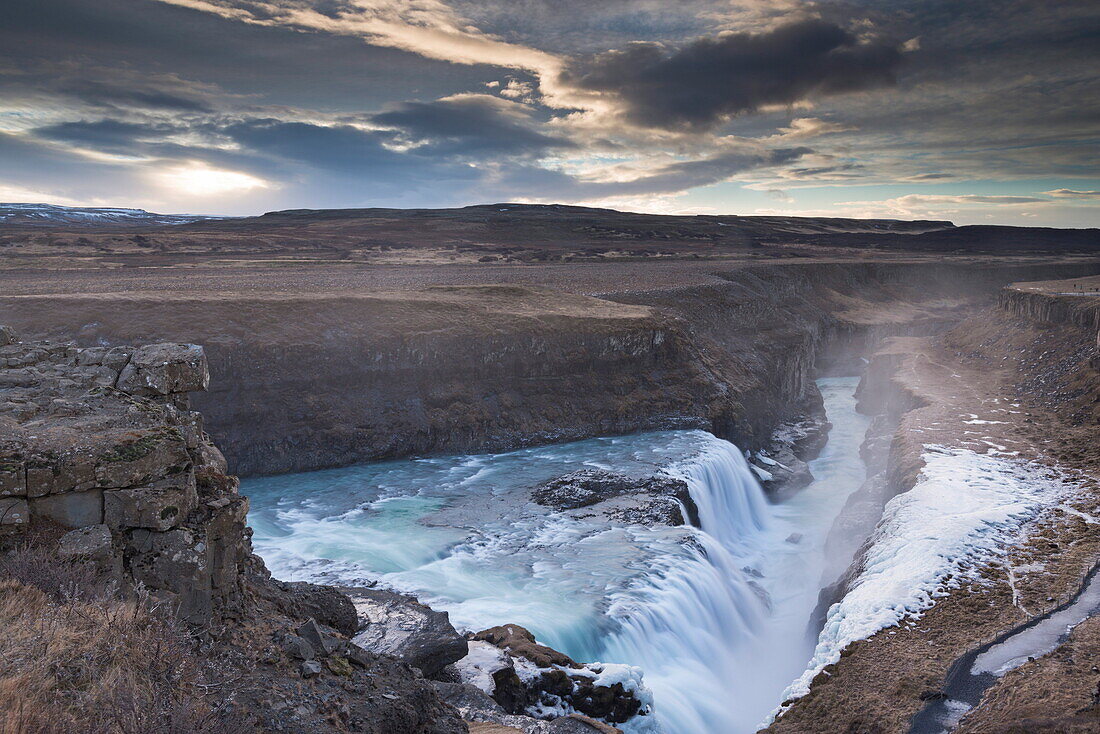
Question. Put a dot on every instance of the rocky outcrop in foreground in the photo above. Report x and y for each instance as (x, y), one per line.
(510, 679)
(113, 498)
(101, 441)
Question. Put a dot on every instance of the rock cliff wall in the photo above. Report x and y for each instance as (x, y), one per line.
(306, 382)
(101, 441)
(771, 330)
(1069, 308)
(1019, 378)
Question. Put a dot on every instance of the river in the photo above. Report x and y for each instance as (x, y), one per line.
(717, 619)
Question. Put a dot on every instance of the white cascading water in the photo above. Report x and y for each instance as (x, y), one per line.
(689, 626)
(717, 618)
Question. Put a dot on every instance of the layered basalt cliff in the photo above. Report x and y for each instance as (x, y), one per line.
(103, 440)
(1047, 302)
(119, 528)
(311, 381)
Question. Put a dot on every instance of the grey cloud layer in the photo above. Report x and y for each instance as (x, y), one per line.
(470, 126)
(699, 85)
(683, 95)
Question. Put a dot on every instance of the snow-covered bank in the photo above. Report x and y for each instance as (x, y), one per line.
(965, 511)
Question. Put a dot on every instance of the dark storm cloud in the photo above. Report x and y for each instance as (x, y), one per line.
(470, 126)
(689, 174)
(843, 170)
(98, 93)
(710, 79)
(340, 148)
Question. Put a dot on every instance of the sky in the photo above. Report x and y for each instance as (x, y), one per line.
(980, 112)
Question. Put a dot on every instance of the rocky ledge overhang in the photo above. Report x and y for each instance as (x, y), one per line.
(101, 442)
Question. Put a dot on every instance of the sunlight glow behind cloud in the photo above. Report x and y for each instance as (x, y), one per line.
(198, 179)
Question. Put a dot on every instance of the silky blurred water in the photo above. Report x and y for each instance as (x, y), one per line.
(716, 618)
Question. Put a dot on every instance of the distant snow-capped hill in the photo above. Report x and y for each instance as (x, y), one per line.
(50, 214)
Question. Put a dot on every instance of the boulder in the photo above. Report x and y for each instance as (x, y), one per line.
(779, 471)
(165, 369)
(653, 500)
(303, 600)
(320, 639)
(159, 506)
(91, 543)
(398, 625)
(510, 691)
(521, 643)
(309, 669)
(298, 648)
(612, 703)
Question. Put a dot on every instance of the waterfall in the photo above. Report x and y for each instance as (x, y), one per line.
(687, 624)
(715, 616)
(732, 505)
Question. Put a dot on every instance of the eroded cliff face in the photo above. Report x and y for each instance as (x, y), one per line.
(771, 330)
(119, 527)
(312, 381)
(102, 441)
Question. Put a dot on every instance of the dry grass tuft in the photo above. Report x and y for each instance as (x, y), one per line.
(77, 657)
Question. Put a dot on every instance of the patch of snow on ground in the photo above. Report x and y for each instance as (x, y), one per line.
(1040, 639)
(1090, 519)
(965, 511)
(480, 663)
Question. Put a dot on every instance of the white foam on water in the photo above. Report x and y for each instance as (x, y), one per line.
(715, 645)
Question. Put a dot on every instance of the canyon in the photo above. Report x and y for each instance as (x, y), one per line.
(968, 359)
